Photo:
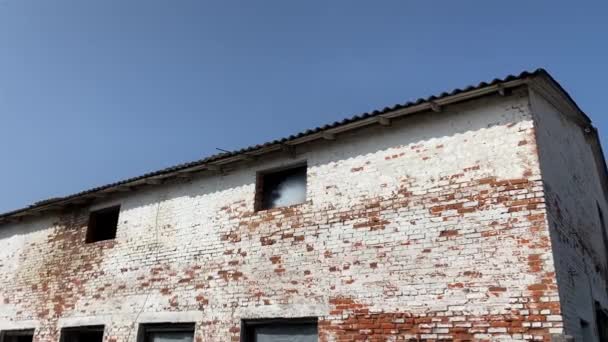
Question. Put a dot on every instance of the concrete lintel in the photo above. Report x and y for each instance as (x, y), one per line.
(19, 325)
(170, 317)
(68, 322)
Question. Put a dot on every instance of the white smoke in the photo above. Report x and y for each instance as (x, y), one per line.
(292, 190)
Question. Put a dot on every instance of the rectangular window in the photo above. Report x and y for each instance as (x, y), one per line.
(93, 333)
(281, 188)
(601, 322)
(166, 332)
(279, 330)
(17, 335)
(102, 224)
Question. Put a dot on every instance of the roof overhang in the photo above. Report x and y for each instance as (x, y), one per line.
(219, 162)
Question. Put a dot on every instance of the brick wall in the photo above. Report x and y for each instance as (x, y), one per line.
(574, 193)
(433, 228)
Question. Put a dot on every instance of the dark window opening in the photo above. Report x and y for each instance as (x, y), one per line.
(93, 333)
(279, 330)
(600, 213)
(601, 322)
(603, 229)
(281, 188)
(17, 336)
(166, 332)
(102, 224)
(586, 331)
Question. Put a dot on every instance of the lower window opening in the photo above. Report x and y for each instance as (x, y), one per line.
(280, 330)
(17, 336)
(167, 332)
(93, 333)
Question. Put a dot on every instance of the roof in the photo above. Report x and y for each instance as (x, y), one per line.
(329, 131)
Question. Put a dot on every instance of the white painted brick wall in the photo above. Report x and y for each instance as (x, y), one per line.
(432, 228)
(573, 194)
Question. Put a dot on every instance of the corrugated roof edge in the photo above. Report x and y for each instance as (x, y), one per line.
(54, 203)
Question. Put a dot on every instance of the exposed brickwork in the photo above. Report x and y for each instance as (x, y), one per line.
(431, 229)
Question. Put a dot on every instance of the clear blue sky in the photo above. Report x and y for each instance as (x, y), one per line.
(96, 91)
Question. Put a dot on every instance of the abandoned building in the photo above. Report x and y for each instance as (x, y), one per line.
(473, 215)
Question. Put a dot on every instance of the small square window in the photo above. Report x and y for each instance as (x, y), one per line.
(284, 329)
(163, 332)
(102, 224)
(17, 336)
(92, 333)
(281, 188)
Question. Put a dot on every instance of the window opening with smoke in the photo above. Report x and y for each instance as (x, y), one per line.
(281, 188)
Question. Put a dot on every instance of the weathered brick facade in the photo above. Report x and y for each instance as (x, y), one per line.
(433, 228)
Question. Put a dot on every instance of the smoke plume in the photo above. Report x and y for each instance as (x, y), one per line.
(292, 190)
